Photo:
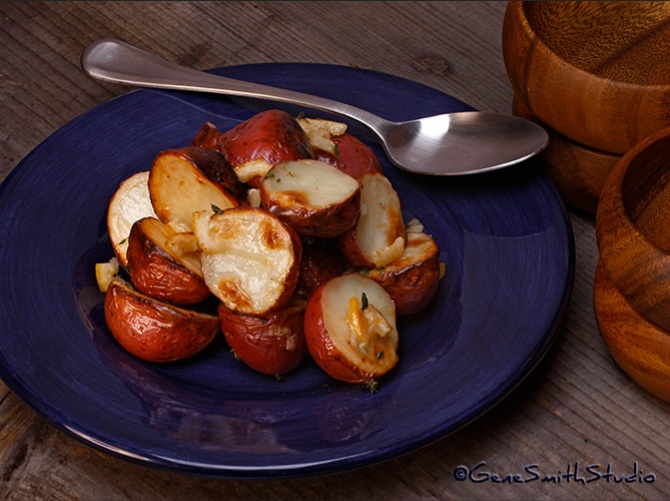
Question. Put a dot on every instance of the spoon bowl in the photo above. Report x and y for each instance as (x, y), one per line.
(449, 144)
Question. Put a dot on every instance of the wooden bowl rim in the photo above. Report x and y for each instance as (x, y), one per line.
(629, 239)
(517, 8)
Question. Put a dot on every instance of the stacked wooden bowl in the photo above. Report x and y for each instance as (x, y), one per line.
(596, 76)
(632, 281)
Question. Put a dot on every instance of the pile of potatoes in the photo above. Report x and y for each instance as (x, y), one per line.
(290, 228)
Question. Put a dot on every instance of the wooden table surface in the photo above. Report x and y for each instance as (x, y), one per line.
(576, 408)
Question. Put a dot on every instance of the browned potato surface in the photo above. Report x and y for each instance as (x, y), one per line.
(250, 259)
(178, 187)
(411, 280)
(379, 235)
(314, 198)
(158, 271)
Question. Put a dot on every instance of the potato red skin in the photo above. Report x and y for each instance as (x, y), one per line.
(347, 244)
(272, 135)
(154, 272)
(216, 168)
(271, 344)
(353, 156)
(323, 222)
(153, 330)
(412, 287)
(322, 348)
(207, 137)
(320, 262)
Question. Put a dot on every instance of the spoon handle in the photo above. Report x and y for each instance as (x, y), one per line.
(115, 61)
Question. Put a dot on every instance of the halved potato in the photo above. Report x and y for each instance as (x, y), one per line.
(350, 155)
(178, 187)
(262, 141)
(411, 280)
(350, 329)
(312, 197)
(153, 330)
(250, 259)
(379, 235)
(130, 202)
(273, 343)
(162, 270)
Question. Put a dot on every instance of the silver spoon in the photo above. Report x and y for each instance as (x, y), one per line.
(449, 144)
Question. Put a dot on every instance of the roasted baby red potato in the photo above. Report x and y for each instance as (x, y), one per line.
(314, 198)
(178, 186)
(350, 329)
(379, 235)
(255, 145)
(250, 259)
(153, 330)
(130, 202)
(351, 156)
(411, 280)
(160, 268)
(208, 137)
(320, 262)
(273, 343)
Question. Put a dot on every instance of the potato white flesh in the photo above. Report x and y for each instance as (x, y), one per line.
(380, 230)
(311, 183)
(411, 280)
(178, 189)
(250, 260)
(183, 247)
(372, 349)
(131, 202)
(314, 198)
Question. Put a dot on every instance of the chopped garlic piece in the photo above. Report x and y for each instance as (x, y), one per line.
(254, 197)
(414, 226)
(366, 323)
(105, 273)
(320, 131)
(249, 170)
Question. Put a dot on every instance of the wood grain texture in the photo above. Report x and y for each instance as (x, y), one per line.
(576, 407)
(631, 228)
(578, 172)
(638, 345)
(596, 72)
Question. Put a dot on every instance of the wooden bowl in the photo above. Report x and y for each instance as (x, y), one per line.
(577, 171)
(633, 227)
(640, 347)
(596, 72)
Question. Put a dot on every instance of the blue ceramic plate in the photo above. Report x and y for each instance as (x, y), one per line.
(505, 238)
